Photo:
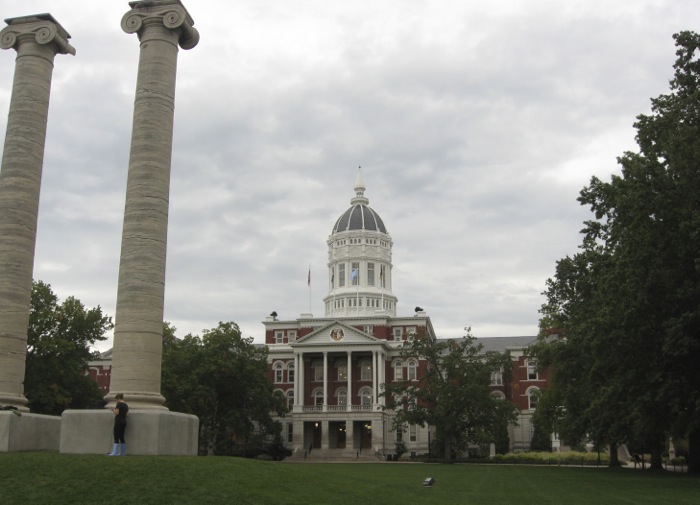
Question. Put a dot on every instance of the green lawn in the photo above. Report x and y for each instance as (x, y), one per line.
(52, 478)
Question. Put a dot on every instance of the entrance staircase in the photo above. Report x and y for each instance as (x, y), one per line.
(335, 456)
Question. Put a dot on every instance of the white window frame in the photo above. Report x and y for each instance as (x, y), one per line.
(398, 370)
(318, 371)
(365, 395)
(279, 337)
(342, 395)
(412, 371)
(398, 333)
(290, 372)
(532, 374)
(532, 393)
(365, 370)
(279, 373)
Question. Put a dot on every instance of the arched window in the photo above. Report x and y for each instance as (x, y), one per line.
(290, 372)
(290, 399)
(342, 395)
(318, 397)
(533, 395)
(398, 370)
(342, 370)
(412, 371)
(365, 397)
(498, 395)
(318, 371)
(365, 370)
(279, 373)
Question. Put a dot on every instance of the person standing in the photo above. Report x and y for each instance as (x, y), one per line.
(121, 411)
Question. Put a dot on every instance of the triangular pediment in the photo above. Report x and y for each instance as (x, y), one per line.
(336, 333)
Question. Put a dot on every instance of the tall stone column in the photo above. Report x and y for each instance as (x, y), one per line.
(162, 26)
(37, 39)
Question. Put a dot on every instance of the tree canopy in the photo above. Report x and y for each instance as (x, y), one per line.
(621, 324)
(453, 393)
(59, 337)
(221, 377)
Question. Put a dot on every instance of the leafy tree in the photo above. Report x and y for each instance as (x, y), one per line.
(221, 377)
(453, 393)
(59, 337)
(626, 308)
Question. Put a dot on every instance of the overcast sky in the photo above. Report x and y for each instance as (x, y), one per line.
(476, 125)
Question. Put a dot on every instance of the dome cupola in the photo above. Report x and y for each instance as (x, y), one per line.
(359, 261)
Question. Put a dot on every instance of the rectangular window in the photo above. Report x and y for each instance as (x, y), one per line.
(343, 372)
(292, 336)
(279, 337)
(290, 433)
(497, 377)
(366, 371)
(341, 275)
(355, 274)
(370, 274)
(412, 432)
(318, 373)
(397, 333)
(369, 329)
(399, 435)
(532, 370)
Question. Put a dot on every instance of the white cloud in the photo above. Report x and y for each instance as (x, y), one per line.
(476, 126)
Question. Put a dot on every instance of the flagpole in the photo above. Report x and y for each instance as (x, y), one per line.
(308, 281)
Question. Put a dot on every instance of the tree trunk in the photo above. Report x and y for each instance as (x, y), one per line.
(656, 461)
(448, 450)
(694, 451)
(614, 461)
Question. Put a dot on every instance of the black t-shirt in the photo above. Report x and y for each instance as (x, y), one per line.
(123, 408)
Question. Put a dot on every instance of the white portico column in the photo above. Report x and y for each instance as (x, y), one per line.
(349, 406)
(374, 378)
(161, 26)
(297, 372)
(37, 39)
(325, 382)
(382, 376)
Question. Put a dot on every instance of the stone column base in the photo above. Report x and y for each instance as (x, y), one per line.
(29, 432)
(148, 432)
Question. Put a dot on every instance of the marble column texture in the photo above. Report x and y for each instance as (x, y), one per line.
(37, 39)
(162, 26)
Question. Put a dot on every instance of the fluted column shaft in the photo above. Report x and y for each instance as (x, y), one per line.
(37, 39)
(136, 363)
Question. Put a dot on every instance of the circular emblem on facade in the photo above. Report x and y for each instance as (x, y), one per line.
(337, 334)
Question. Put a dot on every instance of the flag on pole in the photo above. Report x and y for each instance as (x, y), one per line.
(308, 279)
(353, 274)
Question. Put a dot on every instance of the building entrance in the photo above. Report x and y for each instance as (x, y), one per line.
(337, 434)
(364, 428)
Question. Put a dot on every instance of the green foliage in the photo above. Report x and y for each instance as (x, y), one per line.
(59, 337)
(221, 377)
(453, 394)
(553, 458)
(621, 324)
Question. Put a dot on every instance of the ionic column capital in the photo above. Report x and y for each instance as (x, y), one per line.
(168, 13)
(41, 29)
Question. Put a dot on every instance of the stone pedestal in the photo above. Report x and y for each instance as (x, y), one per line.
(28, 432)
(148, 432)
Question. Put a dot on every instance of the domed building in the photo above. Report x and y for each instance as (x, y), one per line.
(331, 369)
